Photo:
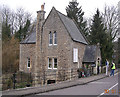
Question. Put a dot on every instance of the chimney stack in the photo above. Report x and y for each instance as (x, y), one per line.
(39, 25)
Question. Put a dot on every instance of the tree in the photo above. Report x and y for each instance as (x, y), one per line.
(21, 18)
(26, 29)
(110, 17)
(76, 13)
(98, 34)
(23, 31)
(5, 31)
(10, 55)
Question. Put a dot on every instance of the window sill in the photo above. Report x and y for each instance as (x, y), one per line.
(54, 44)
(55, 68)
(49, 68)
(50, 44)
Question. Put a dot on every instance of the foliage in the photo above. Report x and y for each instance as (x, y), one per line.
(10, 55)
(22, 80)
(22, 32)
(98, 35)
(5, 31)
(15, 27)
(76, 13)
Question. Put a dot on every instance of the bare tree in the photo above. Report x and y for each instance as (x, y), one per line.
(21, 17)
(110, 16)
(15, 19)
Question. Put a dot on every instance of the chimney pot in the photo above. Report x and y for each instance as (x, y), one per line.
(42, 7)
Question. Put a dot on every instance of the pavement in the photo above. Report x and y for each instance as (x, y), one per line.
(61, 85)
(96, 88)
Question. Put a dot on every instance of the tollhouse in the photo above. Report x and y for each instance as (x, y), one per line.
(54, 50)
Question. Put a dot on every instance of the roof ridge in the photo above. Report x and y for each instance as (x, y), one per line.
(71, 21)
(64, 15)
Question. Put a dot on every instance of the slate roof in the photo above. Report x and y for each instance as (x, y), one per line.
(90, 54)
(30, 38)
(71, 27)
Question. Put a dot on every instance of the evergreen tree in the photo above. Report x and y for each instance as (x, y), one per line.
(98, 35)
(76, 13)
(18, 34)
(23, 31)
(5, 31)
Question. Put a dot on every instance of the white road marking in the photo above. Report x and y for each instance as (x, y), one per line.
(109, 88)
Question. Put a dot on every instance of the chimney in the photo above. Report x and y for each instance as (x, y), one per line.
(41, 14)
(40, 21)
(39, 31)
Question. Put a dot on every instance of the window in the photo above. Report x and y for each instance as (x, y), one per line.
(55, 63)
(75, 55)
(49, 63)
(55, 38)
(50, 39)
(28, 63)
(52, 63)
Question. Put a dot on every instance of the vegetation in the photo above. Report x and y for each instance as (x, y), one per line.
(102, 29)
(22, 80)
(74, 12)
(17, 25)
(98, 35)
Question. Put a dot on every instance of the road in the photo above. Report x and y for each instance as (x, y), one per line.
(99, 88)
(106, 86)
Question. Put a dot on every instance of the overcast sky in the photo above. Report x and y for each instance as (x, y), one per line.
(88, 6)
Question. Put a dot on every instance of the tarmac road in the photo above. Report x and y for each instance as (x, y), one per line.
(106, 86)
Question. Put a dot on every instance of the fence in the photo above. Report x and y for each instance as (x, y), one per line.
(16, 80)
(21, 80)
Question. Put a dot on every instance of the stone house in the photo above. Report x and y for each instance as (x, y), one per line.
(54, 50)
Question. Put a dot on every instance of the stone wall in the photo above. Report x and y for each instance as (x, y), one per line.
(27, 50)
(63, 51)
(81, 49)
(41, 51)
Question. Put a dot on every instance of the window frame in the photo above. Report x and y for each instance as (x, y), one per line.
(75, 55)
(54, 63)
(54, 38)
(50, 38)
(49, 62)
(28, 62)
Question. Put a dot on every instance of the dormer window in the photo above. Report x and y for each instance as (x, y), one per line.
(50, 38)
(55, 38)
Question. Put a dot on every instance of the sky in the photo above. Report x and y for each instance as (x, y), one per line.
(32, 6)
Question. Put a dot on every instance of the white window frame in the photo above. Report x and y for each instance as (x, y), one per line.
(28, 62)
(54, 63)
(50, 33)
(75, 55)
(49, 62)
(54, 38)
